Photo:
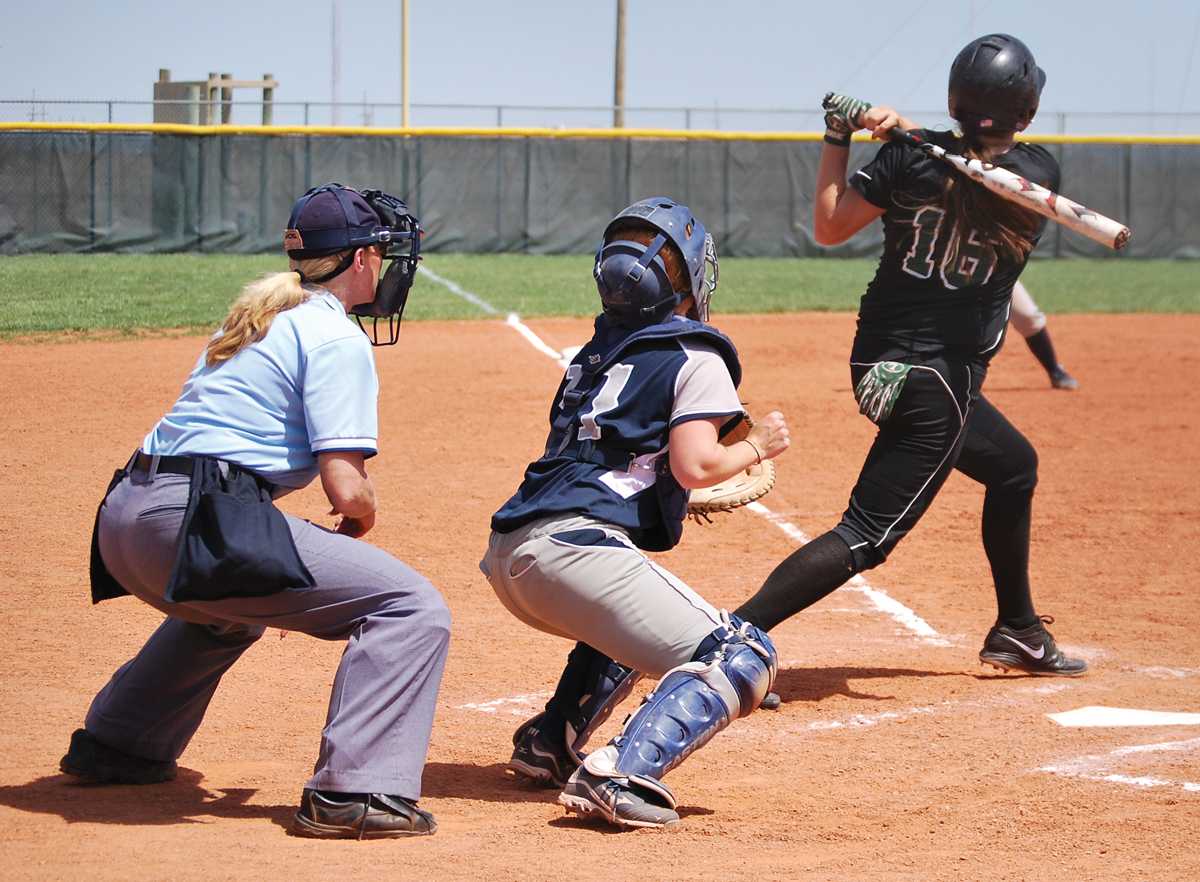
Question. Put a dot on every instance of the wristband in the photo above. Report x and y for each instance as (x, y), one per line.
(757, 452)
(831, 137)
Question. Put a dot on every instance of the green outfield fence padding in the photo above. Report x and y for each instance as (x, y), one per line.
(114, 189)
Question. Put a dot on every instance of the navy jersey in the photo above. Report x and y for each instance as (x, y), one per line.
(938, 291)
(610, 421)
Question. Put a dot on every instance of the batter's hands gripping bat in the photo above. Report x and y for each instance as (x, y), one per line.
(1027, 194)
(844, 114)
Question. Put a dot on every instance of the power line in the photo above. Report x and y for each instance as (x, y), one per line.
(891, 35)
(938, 59)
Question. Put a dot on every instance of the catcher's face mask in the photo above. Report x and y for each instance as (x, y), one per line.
(632, 279)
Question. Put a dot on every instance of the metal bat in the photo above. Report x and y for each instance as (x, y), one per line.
(1027, 194)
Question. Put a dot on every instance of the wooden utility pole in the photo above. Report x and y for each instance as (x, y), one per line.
(619, 70)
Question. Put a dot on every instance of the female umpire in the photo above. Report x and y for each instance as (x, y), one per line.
(285, 391)
(928, 325)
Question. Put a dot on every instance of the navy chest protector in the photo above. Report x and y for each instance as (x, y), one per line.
(604, 349)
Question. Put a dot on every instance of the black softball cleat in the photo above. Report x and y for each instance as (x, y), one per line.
(538, 758)
(327, 815)
(1030, 650)
(97, 763)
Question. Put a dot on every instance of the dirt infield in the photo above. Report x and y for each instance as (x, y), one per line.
(894, 755)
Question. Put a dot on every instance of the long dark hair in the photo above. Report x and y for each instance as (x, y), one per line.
(1003, 226)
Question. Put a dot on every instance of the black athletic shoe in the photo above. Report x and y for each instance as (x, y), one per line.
(1060, 379)
(98, 763)
(328, 815)
(771, 701)
(539, 759)
(1031, 650)
(620, 801)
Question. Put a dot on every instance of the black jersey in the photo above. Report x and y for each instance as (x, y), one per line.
(929, 298)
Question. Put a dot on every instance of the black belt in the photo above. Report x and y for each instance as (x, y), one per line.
(170, 465)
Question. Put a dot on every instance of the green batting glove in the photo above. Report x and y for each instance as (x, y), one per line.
(842, 117)
(879, 389)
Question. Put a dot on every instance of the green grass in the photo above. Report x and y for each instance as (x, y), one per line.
(127, 293)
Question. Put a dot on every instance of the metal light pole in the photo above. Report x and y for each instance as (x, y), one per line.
(404, 63)
(619, 70)
(335, 65)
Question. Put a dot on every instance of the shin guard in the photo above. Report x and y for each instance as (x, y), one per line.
(729, 675)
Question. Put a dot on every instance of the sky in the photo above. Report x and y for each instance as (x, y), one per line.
(1100, 56)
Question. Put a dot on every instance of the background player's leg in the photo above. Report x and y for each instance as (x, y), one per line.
(1030, 322)
(1043, 350)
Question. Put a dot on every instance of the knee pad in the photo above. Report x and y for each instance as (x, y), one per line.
(734, 667)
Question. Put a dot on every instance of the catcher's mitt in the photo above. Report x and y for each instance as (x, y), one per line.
(743, 488)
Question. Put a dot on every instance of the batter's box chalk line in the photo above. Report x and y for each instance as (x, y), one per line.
(1107, 767)
(858, 722)
(517, 705)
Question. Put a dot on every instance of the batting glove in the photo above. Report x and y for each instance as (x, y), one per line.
(842, 116)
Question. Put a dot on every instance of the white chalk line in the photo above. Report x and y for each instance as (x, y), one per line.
(458, 290)
(1099, 767)
(517, 705)
(853, 722)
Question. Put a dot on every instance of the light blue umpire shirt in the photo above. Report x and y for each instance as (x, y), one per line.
(309, 386)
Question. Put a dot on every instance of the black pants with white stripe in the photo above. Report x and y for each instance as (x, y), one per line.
(940, 422)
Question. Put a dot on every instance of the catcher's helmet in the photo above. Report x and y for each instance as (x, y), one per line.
(333, 218)
(995, 85)
(632, 278)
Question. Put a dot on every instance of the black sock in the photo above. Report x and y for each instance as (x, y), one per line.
(1006, 540)
(1040, 345)
(572, 686)
(803, 578)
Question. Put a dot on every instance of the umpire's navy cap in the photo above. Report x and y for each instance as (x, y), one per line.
(328, 219)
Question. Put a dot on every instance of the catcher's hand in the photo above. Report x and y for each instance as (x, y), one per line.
(768, 439)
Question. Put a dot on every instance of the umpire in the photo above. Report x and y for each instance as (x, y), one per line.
(285, 391)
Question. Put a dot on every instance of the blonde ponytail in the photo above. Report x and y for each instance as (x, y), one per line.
(251, 314)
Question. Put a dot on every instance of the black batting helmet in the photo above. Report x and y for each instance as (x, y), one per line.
(995, 85)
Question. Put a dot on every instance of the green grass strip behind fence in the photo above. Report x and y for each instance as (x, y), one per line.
(127, 293)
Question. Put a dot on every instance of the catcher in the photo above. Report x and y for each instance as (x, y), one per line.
(634, 424)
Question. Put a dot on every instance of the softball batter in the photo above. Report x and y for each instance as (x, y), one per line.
(929, 323)
(634, 424)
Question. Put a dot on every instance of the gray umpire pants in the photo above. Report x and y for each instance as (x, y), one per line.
(394, 622)
(585, 580)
